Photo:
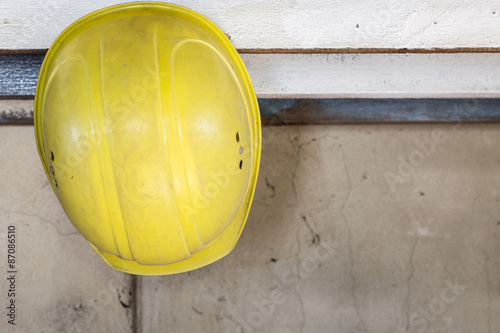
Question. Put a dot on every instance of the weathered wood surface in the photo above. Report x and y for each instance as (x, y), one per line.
(298, 24)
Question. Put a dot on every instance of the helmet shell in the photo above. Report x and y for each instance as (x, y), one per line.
(148, 128)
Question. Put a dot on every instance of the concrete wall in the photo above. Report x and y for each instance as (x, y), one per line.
(330, 245)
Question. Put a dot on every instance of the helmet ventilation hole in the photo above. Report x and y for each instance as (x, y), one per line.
(241, 150)
(241, 164)
(237, 137)
(52, 156)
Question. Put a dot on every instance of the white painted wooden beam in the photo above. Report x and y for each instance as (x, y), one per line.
(463, 75)
(375, 75)
(264, 24)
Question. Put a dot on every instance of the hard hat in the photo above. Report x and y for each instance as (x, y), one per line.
(148, 128)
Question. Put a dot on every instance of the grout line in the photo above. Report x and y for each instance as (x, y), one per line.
(135, 302)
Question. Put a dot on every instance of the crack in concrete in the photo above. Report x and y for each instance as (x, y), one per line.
(408, 280)
(314, 234)
(297, 255)
(271, 187)
(348, 180)
(477, 197)
(42, 221)
(353, 277)
(349, 239)
(297, 147)
(298, 250)
(294, 170)
(123, 304)
(196, 310)
(303, 325)
(488, 286)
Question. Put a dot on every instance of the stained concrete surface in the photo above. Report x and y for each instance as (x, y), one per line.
(61, 284)
(329, 246)
(370, 228)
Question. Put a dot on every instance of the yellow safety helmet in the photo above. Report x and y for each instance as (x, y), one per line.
(148, 128)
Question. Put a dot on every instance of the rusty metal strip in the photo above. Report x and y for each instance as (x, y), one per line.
(18, 75)
(281, 112)
(277, 112)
